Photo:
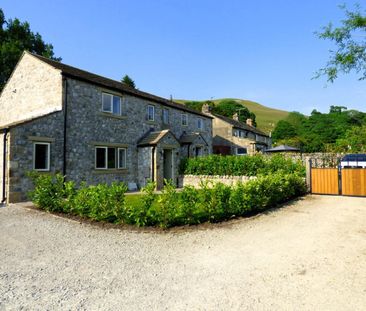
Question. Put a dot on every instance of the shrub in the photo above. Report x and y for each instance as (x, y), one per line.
(241, 165)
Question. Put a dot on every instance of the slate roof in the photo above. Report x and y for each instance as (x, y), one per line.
(189, 138)
(282, 148)
(83, 75)
(240, 125)
(152, 138)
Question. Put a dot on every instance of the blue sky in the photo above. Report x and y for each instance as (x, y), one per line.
(264, 51)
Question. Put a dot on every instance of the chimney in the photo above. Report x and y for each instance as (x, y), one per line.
(206, 108)
(250, 122)
(236, 116)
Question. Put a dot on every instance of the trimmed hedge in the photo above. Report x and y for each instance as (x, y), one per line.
(241, 165)
(212, 202)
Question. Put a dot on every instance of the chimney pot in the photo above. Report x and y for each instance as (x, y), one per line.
(236, 116)
(206, 108)
(250, 122)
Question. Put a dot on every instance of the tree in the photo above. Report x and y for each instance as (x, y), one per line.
(354, 140)
(228, 107)
(283, 130)
(15, 37)
(350, 41)
(128, 81)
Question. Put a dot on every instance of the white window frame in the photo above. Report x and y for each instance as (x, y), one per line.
(148, 113)
(125, 162)
(200, 124)
(184, 116)
(111, 104)
(47, 169)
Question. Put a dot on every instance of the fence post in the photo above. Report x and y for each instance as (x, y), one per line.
(308, 165)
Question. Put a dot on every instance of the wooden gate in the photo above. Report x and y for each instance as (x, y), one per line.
(324, 181)
(354, 181)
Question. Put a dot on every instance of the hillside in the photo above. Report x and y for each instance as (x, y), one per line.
(267, 117)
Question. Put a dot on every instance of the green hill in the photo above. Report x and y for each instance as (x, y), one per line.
(267, 117)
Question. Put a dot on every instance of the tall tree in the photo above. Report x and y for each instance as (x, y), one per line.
(350, 42)
(128, 81)
(228, 107)
(15, 37)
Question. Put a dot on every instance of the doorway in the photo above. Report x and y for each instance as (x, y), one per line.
(168, 164)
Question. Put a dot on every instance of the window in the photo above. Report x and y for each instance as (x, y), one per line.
(122, 157)
(184, 119)
(110, 157)
(111, 103)
(41, 156)
(200, 124)
(241, 151)
(165, 116)
(150, 113)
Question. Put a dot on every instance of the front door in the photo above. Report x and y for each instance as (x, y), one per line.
(168, 164)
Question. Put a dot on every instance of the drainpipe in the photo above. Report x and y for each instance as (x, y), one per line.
(65, 131)
(4, 167)
(153, 164)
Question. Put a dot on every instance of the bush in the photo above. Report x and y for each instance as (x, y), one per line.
(212, 202)
(241, 165)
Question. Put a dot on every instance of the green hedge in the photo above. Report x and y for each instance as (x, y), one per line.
(212, 202)
(241, 165)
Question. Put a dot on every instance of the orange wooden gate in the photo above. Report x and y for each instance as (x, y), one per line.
(354, 181)
(324, 181)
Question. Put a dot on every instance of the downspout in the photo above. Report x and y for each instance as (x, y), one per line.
(3, 200)
(65, 132)
(153, 164)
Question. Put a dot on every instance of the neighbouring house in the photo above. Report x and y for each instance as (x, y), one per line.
(57, 118)
(232, 137)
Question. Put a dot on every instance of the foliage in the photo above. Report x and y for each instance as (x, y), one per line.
(320, 131)
(241, 165)
(212, 202)
(15, 37)
(354, 141)
(128, 81)
(350, 42)
(228, 107)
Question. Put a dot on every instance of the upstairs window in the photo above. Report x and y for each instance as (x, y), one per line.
(165, 116)
(41, 156)
(111, 104)
(150, 113)
(200, 124)
(184, 119)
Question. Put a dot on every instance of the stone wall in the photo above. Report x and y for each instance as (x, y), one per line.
(1, 164)
(21, 140)
(195, 180)
(33, 90)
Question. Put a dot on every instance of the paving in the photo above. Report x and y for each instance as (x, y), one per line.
(308, 255)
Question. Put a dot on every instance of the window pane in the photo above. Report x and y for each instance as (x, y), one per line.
(150, 113)
(241, 151)
(184, 119)
(166, 116)
(41, 156)
(117, 105)
(111, 157)
(100, 158)
(199, 124)
(122, 158)
(107, 102)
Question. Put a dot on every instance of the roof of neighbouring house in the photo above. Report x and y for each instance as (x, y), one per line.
(188, 138)
(153, 138)
(239, 124)
(83, 75)
(283, 148)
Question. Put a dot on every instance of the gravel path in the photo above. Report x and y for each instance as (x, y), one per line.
(309, 255)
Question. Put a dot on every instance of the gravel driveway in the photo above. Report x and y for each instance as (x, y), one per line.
(308, 255)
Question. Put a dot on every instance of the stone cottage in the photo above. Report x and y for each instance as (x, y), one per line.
(57, 118)
(232, 137)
